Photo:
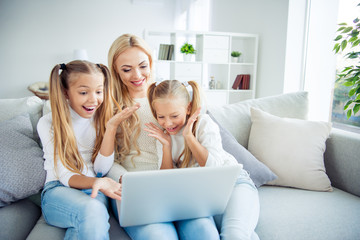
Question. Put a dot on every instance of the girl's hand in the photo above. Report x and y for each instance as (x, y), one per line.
(190, 123)
(107, 186)
(121, 116)
(159, 134)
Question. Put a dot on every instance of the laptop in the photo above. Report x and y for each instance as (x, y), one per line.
(175, 194)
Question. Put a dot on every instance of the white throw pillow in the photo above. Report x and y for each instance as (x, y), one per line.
(292, 148)
(236, 117)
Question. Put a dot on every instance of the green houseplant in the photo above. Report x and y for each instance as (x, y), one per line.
(188, 51)
(346, 42)
(235, 54)
(187, 48)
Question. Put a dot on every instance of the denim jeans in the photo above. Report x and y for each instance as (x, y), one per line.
(191, 229)
(83, 216)
(242, 211)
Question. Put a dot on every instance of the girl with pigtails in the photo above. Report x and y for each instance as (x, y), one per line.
(187, 138)
(78, 144)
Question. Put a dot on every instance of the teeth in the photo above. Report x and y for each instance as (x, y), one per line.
(89, 108)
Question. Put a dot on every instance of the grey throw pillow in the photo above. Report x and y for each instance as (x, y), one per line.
(259, 172)
(22, 171)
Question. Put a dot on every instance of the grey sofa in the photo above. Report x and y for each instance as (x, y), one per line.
(285, 213)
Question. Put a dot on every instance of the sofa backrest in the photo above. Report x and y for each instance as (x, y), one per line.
(236, 117)
(10, 108)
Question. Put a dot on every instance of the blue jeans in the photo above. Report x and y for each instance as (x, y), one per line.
(83, 216)
(191, 229)
(242, 211)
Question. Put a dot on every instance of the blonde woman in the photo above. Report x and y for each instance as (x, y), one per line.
(131, 64)
(78, 144)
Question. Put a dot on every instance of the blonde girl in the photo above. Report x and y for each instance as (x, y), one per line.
(131, 64)
(187, 138)
(78, 144)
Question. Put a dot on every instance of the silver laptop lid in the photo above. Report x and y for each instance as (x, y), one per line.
(175, 194)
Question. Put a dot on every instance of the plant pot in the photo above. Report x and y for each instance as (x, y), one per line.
(187, 57)
(234, 59)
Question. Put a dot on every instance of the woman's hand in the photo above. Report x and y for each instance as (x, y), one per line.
(190, 123)
(159, 134)
(107, 186)
(121, 116)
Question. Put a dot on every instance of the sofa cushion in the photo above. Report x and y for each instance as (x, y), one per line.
(18, 219)
(292, 148)
(296, 214)
(10, 108)
(259, 172)
(21, 159)
(236, 117)
(44, 231)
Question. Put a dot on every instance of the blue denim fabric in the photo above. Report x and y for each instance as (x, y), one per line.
(242, 211)
(200, 228)
(83, 216)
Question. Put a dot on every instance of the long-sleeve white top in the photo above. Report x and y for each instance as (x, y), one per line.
(85, 135)
(208, 135)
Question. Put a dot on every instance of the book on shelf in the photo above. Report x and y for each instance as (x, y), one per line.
(166, 52)
(237, 82)
(242, 81)
(246, 82)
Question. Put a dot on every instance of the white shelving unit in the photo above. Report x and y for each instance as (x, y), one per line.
(212, 58)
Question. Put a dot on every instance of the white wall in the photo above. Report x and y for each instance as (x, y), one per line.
(37, 34)
(269, 20)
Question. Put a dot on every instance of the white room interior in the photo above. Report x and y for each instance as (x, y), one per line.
(295, 37)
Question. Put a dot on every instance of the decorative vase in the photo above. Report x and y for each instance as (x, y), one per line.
(234, 59)
(187, 57)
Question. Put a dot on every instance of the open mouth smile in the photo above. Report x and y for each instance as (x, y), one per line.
(89, 109)
(138, 83)
(169, 130)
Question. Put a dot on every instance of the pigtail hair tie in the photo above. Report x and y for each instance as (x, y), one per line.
(62, 66)
(189, 89)
(98, 65)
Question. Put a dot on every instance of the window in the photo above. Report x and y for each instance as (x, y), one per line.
(348, 11)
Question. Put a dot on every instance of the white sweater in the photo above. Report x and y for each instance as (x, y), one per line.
(208, 135)
(85, 136)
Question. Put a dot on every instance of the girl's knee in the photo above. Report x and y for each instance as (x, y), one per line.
(201, 228)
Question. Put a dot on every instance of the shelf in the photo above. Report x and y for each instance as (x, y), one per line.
(212, 59)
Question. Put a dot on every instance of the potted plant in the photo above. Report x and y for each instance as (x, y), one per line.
(235, 55)
(349, 76)
(188, 51)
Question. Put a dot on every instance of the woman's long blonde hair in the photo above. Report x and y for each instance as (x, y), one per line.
(130, 128)
(65, 145)
(174, 89)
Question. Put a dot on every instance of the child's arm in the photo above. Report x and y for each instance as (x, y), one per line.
(107, 146)
(199, 152)
(106, 185)
(105, 158)
(165, 140)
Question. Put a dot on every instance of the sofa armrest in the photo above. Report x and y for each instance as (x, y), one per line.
(342, 160)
